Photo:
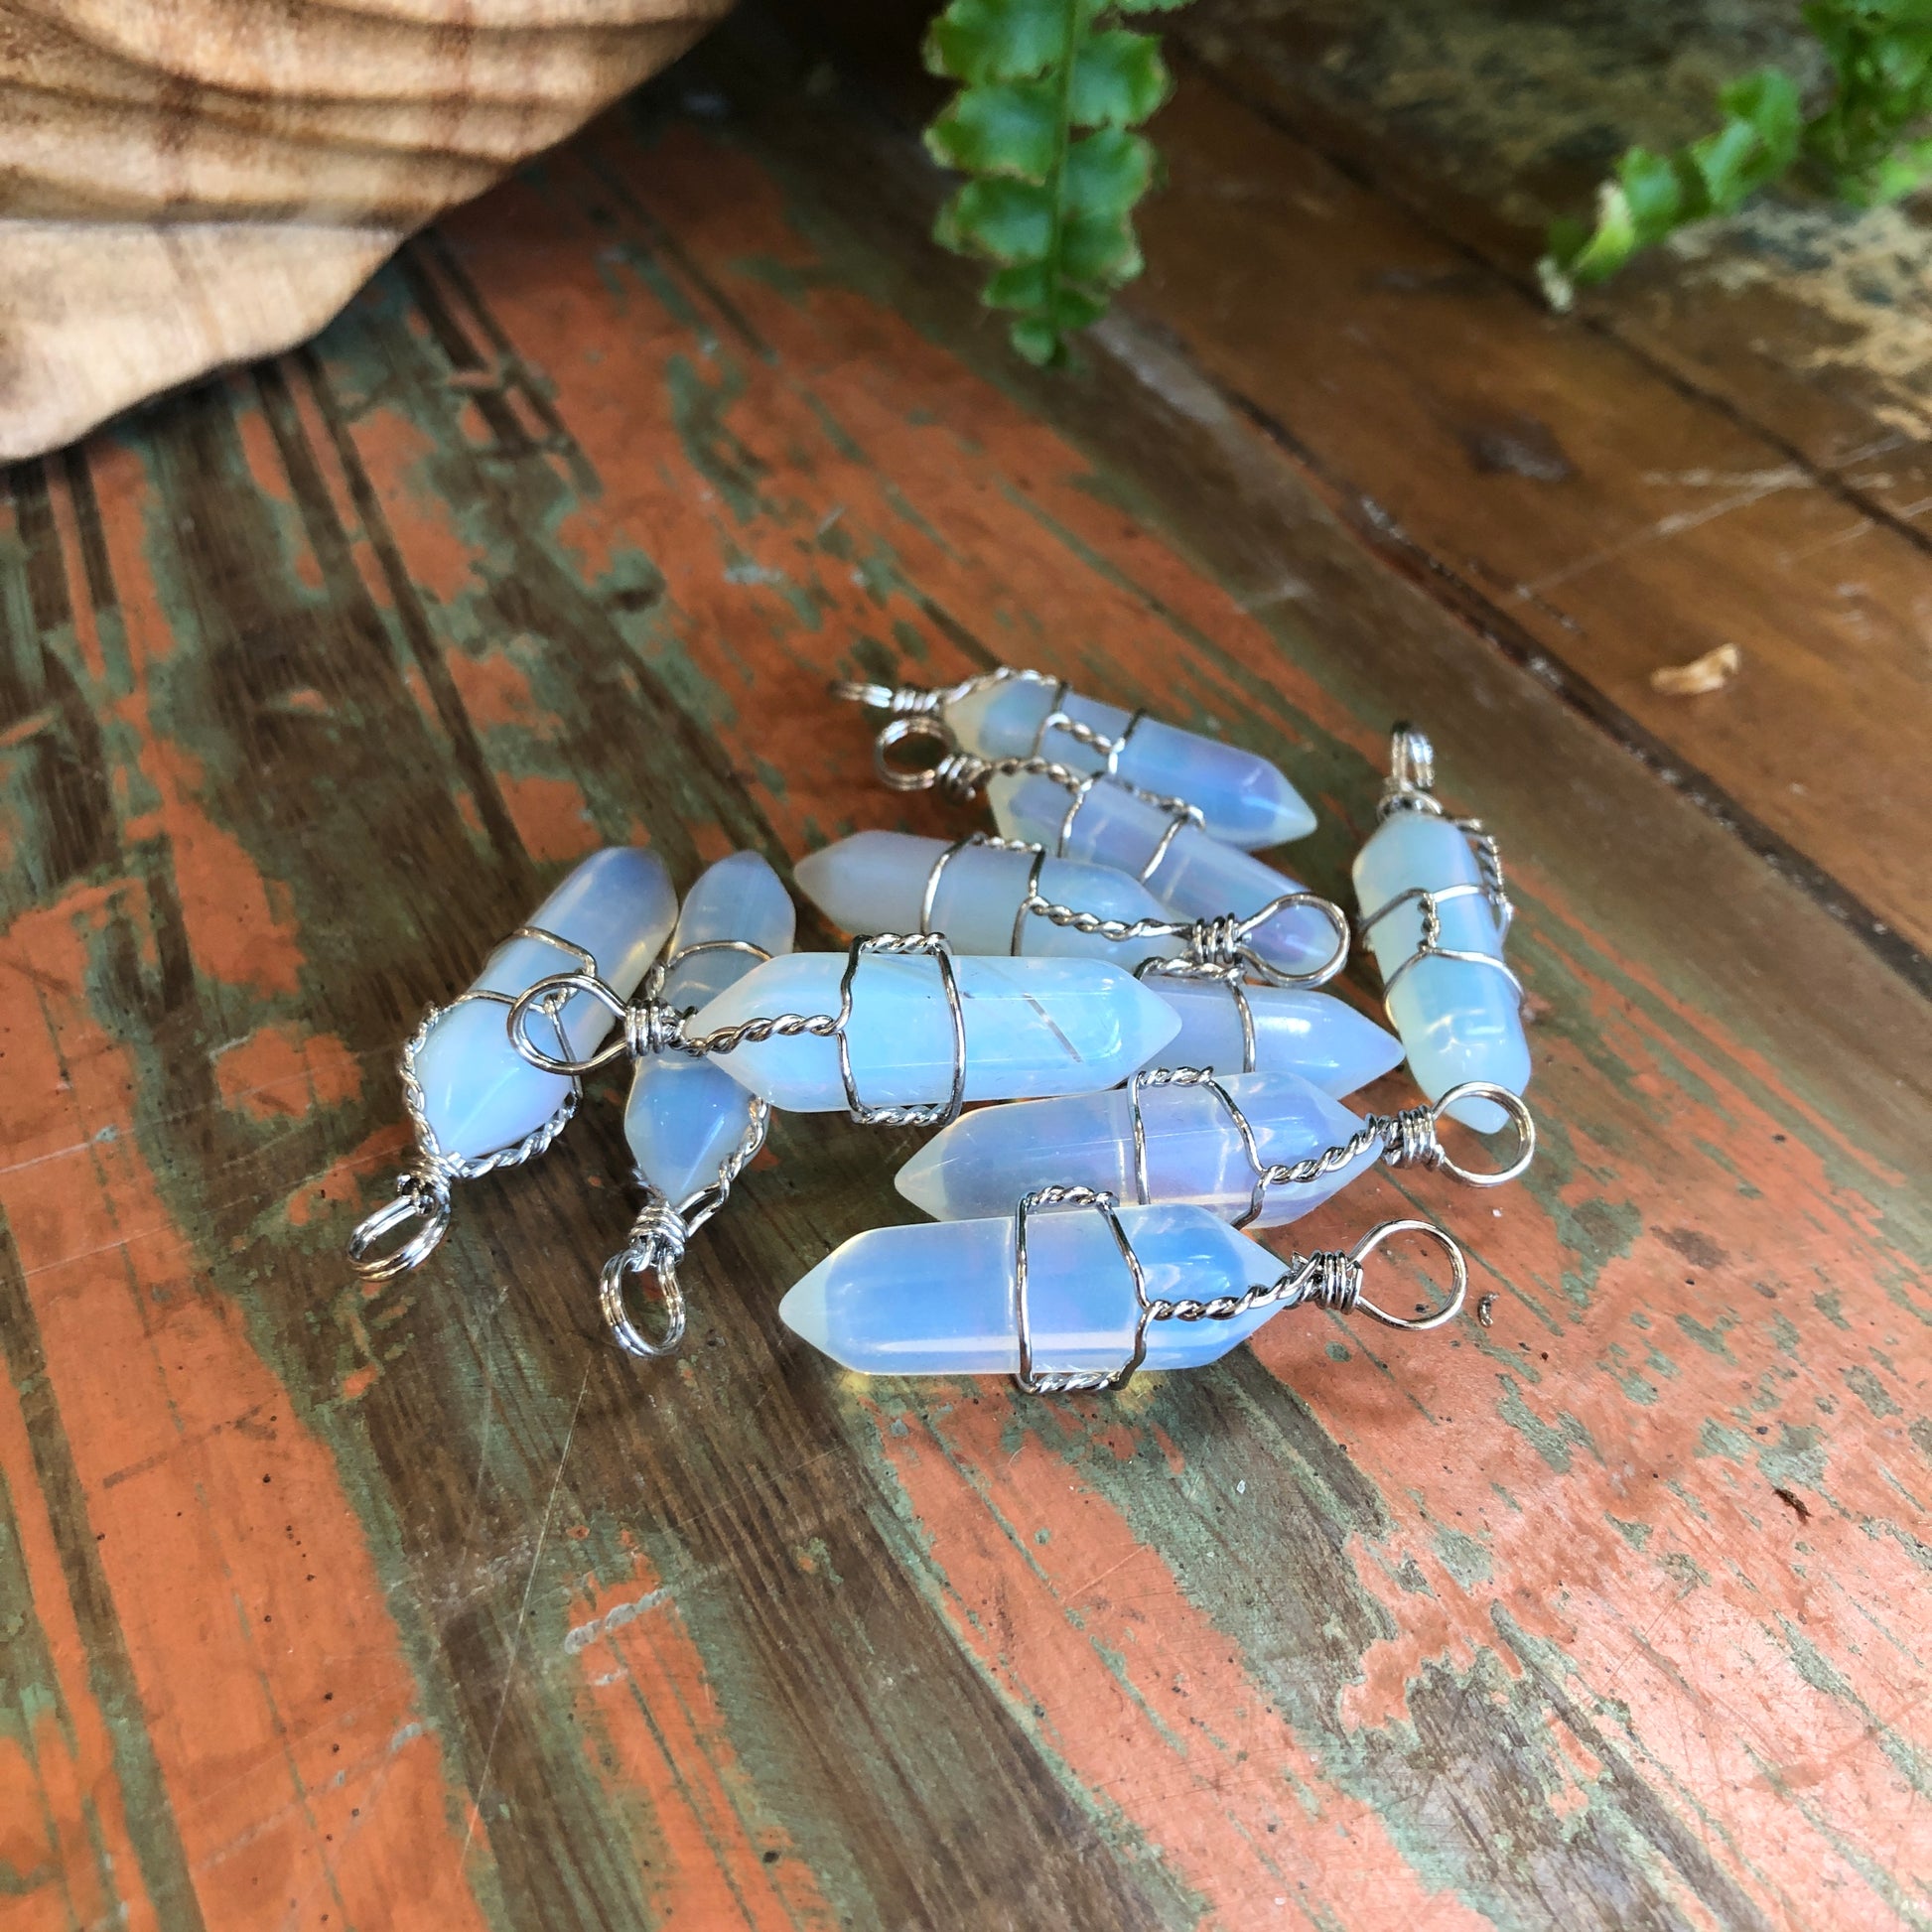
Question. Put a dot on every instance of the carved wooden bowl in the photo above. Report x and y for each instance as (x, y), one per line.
(190, 183)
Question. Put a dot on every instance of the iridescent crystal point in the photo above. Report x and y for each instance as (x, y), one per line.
(1330, 1044)
(1460, 1019)
(480, 1094)
(1244, 800)
(938, 1298)
(1196, 876)
(987, 1160)
(877, 882)
(1032, 1027)
(685, 1116)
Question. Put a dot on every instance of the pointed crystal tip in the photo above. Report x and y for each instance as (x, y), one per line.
(802, 1309)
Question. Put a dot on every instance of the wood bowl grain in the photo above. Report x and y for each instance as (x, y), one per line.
(186, 183)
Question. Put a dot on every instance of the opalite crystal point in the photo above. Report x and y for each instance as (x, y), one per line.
(937, 1299)
(1330, 1044)
(478, 1093)
(1032, 1027)
(874, 882)
(1197, 877)
(1458, 1019)
(1244, 800)
(684, 1115)
(987, 1160)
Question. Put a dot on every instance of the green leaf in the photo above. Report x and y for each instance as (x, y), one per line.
(1006, 220)
(1106, 173)
(1653, 197)
(1119, 79)
(1009, 129)
(1051, 208)
(1038, 341)
(1100, 248)
(981, 41)
(1027, 285)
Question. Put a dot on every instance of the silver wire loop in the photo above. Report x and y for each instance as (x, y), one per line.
(655, 1248)
(908, 1114)
(423, 1190)
(955, 771)
(1448, 1309)
(549, 995)
(1414, 1148)
(422, 1198)
(1036, 1381)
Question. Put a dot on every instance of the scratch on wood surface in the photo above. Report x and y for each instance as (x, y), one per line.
(522, 1615)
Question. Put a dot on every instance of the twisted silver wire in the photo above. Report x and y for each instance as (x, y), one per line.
(1325, 1280)
(658, 1240)
(1329, 1278)
(422, 1193)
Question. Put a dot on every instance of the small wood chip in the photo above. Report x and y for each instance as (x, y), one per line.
(1711, 673)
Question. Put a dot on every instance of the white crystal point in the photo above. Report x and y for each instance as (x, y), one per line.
(1198, 878)
(738, 898)
(685, 1116)
(876, 881)
(1458, 1020)
(479, 1092)
(1330, 1044)
(937, 1299)
(1243, 799)
(1032, 1027)
(987, 1160)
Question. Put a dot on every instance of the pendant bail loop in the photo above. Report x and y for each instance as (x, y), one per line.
(422, 1196)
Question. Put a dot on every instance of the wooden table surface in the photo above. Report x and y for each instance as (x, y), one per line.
(414, 1607)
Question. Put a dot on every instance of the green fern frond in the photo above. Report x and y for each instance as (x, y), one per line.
(1051, 92)
(1861, 145)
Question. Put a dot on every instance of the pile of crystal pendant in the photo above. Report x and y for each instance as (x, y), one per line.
(1123, 994)
(1123, 844)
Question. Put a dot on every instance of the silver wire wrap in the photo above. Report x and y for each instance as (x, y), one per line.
(1218, 944)
(651, 1025)
(423, 1188)
(658, 1239)
(1402, 1140)
(1327, 1280)
(1409, 788)
(658, 1235)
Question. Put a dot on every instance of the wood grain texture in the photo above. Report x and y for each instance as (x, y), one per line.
(1727, 446)
(324, 1603)
(188, 182)
(1724, 448)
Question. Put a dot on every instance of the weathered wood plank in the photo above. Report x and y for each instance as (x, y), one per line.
(553, 540)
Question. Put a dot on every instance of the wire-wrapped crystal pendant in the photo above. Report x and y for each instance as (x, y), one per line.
(1073, 1301)
(919, 1043)
(990, 895)
(896, 1029)
(477, 1104)
(1232, 902)
(1243, 799)
(1258, 1150)
(1434, 913)
(691, 1127)
(981, 892)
